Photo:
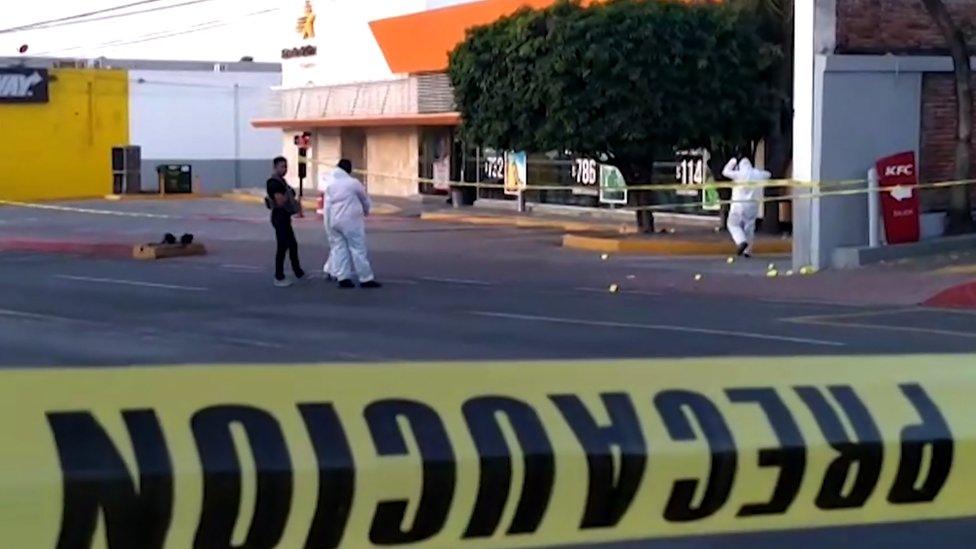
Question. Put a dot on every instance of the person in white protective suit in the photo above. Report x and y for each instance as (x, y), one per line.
(324, 180)
(346, 209)
(746, 197)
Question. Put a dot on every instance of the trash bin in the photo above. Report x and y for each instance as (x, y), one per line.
(175, 178)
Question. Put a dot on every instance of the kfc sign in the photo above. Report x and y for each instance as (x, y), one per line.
(899, 198)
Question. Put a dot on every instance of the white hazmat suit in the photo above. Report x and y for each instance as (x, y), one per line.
(746, 196)
(324, 180)
(346, 209)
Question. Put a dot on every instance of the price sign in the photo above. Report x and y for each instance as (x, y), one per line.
(494, 166)
(690, 169)
(586, 173)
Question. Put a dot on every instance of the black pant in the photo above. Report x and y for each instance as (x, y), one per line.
(287, 244)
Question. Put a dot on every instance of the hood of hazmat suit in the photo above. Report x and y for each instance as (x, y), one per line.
(346, 202)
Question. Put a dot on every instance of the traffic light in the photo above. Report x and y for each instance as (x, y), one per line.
(302, 142)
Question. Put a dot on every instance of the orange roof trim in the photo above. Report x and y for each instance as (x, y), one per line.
(421, 42)
(439, 119)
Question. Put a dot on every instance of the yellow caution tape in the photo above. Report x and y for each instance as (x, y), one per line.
(480, 455)
(816, 189)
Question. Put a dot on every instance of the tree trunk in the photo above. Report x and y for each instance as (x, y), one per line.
(637, 174)
(960, 209)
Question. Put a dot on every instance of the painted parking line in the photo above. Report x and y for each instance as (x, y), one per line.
(658, 327)
(606, 290)
(137, 283)
(463, 281)
(401, 281)
(32, 316)
(842, 320)
(245, 342)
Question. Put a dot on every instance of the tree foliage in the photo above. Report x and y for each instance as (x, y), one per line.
(624, 80)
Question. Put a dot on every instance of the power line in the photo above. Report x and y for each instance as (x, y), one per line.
(29, 26)
(80, 21)
(204, 26)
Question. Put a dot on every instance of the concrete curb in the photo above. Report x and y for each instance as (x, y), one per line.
(134, 197)
(309, 204)
(67, 247)
(667, 245)
(859, 256)
(526, 222)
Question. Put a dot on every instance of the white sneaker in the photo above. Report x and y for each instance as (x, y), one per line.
(282, 283)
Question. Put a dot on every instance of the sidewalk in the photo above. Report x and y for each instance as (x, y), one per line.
(676, 237)
(891, 285)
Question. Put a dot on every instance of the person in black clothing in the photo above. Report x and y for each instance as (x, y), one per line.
(281, 200)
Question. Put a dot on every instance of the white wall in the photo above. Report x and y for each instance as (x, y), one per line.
(191, 114)
(347, 49)
(191, 117)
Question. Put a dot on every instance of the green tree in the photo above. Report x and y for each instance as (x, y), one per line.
(625, 81)
(960, 208)
(775, 21)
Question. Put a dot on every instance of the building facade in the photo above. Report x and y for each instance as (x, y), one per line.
(370, 85)
(873, 78)
(195, 113)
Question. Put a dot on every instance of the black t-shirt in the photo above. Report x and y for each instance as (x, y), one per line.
(276, 185)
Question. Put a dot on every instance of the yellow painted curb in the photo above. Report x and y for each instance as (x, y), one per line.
(667, 245)
(969, 269)
(385, 209)
(179, 196)
(525, 222)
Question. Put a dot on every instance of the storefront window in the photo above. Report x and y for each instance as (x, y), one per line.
(440, 160)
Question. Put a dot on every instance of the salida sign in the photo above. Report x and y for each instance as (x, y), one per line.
(23, 85)
(900, 205)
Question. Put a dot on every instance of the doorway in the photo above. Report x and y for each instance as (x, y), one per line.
(353, 146)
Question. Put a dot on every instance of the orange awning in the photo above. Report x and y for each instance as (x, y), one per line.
(420, 42)
(439, 119)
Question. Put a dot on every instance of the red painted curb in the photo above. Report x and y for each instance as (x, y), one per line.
(962, 296)
(99, 249)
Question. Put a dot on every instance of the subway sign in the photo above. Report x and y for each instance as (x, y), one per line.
(24, 85)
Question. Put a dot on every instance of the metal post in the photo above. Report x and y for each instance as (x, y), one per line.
(237, 136)
(874, 213)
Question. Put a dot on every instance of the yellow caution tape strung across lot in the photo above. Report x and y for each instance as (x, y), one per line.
(815, 189)
(480, 455)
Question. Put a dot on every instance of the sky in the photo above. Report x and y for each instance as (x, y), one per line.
(215, 30)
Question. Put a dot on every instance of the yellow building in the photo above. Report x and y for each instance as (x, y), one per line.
(61, 118)
(59, 146)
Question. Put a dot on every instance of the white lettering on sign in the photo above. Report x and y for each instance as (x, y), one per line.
(584, 171)
(905, 169)
(19, 85)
